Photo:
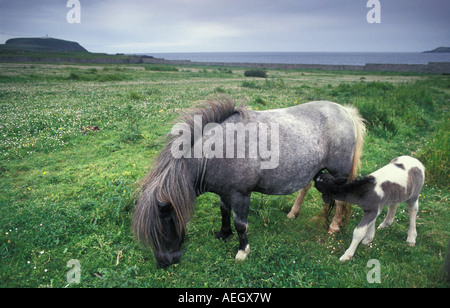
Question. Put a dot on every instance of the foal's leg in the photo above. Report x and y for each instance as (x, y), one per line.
(389, 217)
(337, 218)
(298, 202)
(412, 232)
(359, 233)
(225, 231)
(369, 234)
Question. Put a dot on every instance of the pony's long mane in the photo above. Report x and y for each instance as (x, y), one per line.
(170, 181)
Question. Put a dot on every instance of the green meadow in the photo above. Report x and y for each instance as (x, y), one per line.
(66, 189)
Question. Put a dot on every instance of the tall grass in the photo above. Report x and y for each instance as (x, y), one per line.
(93, 75)
(388, 107)
(436, 155)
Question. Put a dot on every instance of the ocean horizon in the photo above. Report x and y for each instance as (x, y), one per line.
(326, 58)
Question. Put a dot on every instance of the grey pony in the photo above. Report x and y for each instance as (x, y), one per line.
(310, 137)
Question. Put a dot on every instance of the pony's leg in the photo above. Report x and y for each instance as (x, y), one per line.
(240, 205)
(225, 231)
(337, 218)
(359, 234)
(389, 217)
(412, 232)
(298, 202)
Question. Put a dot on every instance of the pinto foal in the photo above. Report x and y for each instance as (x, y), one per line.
(399, 181)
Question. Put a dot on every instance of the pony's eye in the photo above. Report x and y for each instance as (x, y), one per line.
(163, 204)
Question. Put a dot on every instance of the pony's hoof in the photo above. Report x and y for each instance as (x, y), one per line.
(223, 235)
(411, 244)
(333, 228)
(333, 231)
(242, 254)
(291, 215)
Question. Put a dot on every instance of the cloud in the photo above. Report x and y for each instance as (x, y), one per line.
(232, 25)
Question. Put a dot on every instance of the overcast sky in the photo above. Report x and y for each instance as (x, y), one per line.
(146, 26)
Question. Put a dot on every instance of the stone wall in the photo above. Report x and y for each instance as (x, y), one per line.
(430, 68)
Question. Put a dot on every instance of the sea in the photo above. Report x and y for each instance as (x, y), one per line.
(329, 58)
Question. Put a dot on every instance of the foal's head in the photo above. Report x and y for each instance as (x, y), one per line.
(326, 183)
(342, 190)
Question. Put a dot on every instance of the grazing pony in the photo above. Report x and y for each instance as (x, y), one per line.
(274, 152)
(399, 181)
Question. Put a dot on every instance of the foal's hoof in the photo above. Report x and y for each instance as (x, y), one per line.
(383, 225)
(345, 258)
(366, 242)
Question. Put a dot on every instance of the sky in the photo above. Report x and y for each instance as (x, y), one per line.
(158, 26)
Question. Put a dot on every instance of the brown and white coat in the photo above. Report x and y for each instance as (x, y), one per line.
(399, 181)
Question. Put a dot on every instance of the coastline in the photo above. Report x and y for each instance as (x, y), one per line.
(430, 68)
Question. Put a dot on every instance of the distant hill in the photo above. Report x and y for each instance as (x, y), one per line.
(439, 50)
(41, 44)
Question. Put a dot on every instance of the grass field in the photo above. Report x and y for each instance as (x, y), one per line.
(66, 192)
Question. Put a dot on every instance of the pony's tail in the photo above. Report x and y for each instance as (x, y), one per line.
(360, 128)
(360, 134)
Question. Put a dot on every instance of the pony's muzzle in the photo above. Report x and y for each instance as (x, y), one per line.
(164, 260)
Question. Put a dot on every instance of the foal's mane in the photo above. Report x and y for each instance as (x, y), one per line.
(357, 187)
(170, 181)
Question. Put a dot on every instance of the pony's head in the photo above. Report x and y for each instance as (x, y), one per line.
(160, 223)
(166, 239)
(167, 194)
(164, 208)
